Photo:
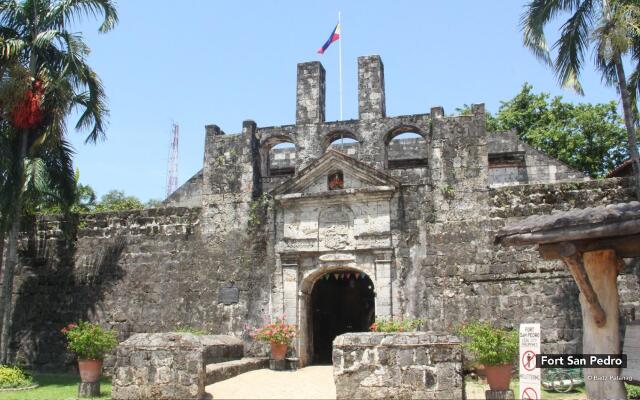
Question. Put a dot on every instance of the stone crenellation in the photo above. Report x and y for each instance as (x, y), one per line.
(262, 237)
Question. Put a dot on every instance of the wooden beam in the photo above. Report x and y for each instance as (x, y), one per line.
(573, 261)
(573, 232)
(625, 247)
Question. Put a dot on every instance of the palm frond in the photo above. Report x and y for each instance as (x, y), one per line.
(65, 10)
(537, 15)
(572, 45)
(634, 79)
(93, 100)
(10, 174)
(12, 15)
(59, 169)
(11, 48)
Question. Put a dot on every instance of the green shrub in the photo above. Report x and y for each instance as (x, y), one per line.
(402, 325)
(490, 345)
(633, 391)
(13, 377)
(89, 341)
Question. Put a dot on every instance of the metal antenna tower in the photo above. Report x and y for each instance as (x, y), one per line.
(172, 170)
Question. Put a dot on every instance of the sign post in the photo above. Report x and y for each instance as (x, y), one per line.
(529, 374)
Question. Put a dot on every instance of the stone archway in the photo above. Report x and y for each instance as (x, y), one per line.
(330, 306)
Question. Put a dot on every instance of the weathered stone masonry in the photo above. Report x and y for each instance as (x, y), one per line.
(423, 233)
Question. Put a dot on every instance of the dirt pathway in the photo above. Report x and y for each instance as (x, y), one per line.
(314, 382)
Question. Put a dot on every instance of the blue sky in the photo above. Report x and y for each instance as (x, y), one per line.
(202, 62)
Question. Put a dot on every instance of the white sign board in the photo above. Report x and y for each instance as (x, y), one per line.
(529, 374)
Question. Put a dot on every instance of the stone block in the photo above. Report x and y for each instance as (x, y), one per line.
(401, 368)
(165, 365)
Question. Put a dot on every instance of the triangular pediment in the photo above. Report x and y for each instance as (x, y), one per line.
(364, 176)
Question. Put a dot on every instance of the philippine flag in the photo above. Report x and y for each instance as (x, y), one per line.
(335, 35)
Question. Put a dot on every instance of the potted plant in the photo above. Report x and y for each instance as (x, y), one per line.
(278, 334)
(493, 347)
(90, 342)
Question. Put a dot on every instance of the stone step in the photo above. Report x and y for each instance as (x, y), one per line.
(225, 370)
(221, 348)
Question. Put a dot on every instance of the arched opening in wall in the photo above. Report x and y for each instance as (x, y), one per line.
(278, 157)
(341, 301)
(343, 141)
(405, 149)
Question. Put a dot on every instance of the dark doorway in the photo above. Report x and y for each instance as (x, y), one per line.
(342, 301)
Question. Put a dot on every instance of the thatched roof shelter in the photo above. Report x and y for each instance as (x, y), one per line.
(591, 242)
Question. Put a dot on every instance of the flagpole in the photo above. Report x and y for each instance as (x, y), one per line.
(340, 62)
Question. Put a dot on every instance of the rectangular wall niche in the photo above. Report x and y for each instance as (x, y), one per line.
(507, 168)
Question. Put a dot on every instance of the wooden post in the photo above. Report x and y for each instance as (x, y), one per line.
(499, 395)
(602, 269)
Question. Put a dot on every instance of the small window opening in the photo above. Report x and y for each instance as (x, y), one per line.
(335, 181)
(507, 160)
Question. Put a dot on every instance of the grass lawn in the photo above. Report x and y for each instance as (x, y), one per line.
(55, 387)
(475, 390)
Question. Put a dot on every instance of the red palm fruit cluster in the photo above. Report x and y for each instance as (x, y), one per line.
(27, 114)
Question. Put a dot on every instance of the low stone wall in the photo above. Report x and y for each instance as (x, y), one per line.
(416, 365)
(168, 365)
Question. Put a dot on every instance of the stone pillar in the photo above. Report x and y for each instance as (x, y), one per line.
(437, 112)
(371, 103)
(310, 93)
(211, 131)
(383, 285)
(290, 289)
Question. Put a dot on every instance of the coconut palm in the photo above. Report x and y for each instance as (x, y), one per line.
(45, 67)
(611, 27)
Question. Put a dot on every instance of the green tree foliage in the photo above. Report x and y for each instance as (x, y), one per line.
(588, 137)
(116, 200)
(45, 201)
(612, 29)
(153, 203)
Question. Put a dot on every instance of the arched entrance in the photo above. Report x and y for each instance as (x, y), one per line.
(341, 301)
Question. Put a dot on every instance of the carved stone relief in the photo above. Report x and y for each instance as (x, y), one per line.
(336, 227)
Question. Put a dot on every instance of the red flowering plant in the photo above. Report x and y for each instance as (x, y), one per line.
(21, 98)
(89, 341)
(277, 332)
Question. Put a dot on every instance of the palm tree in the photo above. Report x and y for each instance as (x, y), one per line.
(46, 66)
(612, 27)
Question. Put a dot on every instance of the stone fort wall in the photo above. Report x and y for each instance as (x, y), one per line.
(152, 271)
(216, 266)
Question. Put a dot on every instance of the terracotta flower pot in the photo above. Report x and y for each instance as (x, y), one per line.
(90, 370)
(278, 350)
(498, 376)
